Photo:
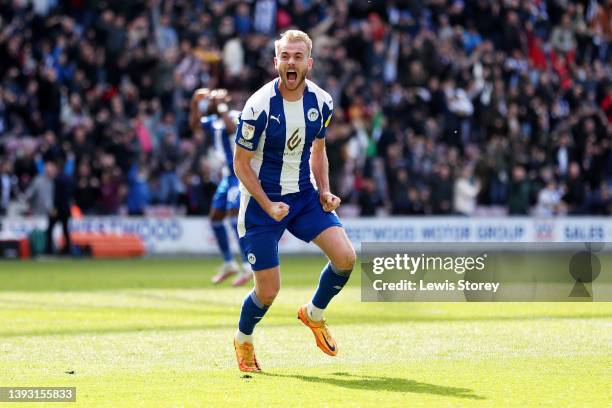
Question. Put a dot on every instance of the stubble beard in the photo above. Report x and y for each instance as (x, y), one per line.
(299, 80)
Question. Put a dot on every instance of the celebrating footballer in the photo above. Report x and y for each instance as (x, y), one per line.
(281, 162)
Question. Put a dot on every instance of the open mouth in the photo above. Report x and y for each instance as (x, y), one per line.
(291, 75)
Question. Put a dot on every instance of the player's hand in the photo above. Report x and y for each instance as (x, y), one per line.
(220, 96)
(278, 210)
(200, 94)
(329, 202)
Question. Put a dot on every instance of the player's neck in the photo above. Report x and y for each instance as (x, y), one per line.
(291, 96)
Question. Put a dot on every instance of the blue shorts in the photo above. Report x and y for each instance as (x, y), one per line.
(227, 195)
(259, 233)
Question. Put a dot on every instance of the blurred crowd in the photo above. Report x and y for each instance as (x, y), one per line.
(441, 106)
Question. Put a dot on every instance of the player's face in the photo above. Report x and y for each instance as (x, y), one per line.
(292, 63)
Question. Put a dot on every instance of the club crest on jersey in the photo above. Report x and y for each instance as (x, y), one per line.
(248, 131)
(313, 114)
(294, 140)
(251, 258)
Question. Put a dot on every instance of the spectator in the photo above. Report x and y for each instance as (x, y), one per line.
(170, 185)
(562, 38)
(549, 201)
(400, 199)
(6, 185)
(519, 192)
(138, 190)
(87, 189)
(445, 83)
(110, 191)
(442, 191)
(465, 192)
(575, 191)
(63, 196)
(369, 200)
(41, 191)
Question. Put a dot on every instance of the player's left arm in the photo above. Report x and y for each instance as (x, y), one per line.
(319, 166)
(318, 159)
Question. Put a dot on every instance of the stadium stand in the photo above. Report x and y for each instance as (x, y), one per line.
(442, 106)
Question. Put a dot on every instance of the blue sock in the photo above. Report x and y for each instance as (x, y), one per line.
(252, 312)
(331, 283)
(221, 236)
(234, 221)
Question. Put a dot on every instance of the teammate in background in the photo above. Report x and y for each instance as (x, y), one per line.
(209, 110)
(280, 149)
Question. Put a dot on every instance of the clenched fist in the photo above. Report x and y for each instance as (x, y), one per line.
(329, 202)
(200, 94)
(278, 210)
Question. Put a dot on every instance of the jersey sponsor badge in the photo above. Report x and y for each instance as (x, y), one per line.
(294, 140)
(248, 131)
(313, 114)
(244, 143)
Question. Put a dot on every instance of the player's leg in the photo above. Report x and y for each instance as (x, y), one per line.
(338, 248)
(247, 272)
(257, 302)
(246, 266)
(65, 221)
(336, 245)
(232, 209)
(325, 229)
(254, 307)
(216, 216)
(50, 226)
(262, 249)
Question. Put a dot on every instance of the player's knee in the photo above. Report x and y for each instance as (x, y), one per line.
(346, 261)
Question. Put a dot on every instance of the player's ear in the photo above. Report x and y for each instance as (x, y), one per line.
(276, 62)
(310, 63)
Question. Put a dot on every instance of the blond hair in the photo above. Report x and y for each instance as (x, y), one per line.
(293, 36)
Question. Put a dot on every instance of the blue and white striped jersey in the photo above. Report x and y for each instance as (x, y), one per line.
(214, 127)
(281, 133)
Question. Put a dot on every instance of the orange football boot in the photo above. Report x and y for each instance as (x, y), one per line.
(245, 355)
(323, 336)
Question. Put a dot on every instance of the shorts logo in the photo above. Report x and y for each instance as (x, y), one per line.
(313, 114)
(294, 140)
(248, 131)
(251, 258)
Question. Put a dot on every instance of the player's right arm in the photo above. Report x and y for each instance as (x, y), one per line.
(251, 125)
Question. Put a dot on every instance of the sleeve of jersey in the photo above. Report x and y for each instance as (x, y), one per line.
(250, 128)
(326, 111)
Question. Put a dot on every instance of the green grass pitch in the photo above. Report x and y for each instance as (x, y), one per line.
(155, 332)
